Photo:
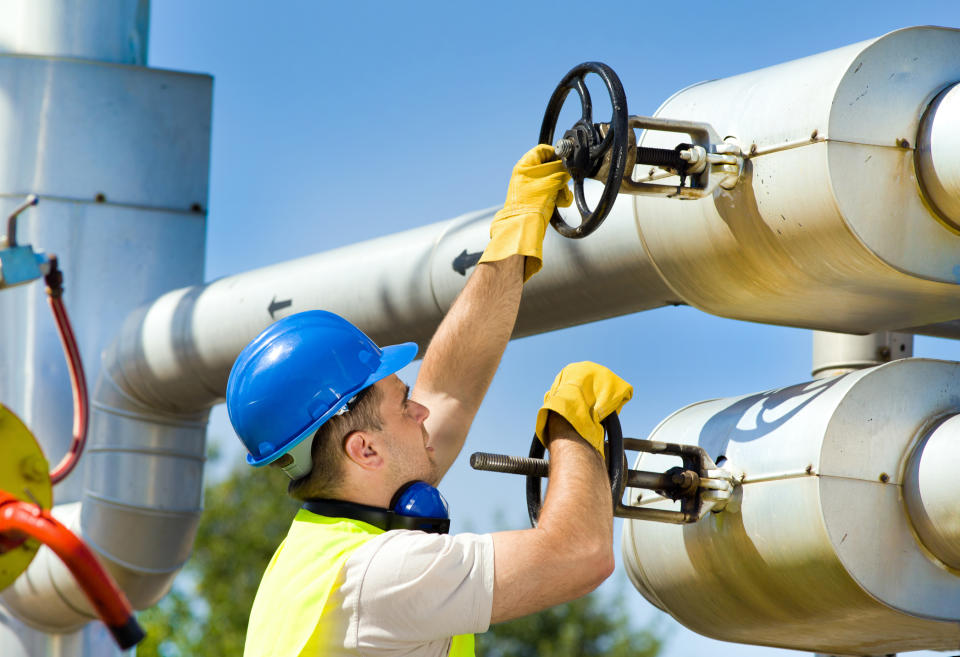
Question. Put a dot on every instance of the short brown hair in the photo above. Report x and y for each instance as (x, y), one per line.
(327, 453)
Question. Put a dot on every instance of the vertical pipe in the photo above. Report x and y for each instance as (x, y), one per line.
(119, 156)
(840, 353)
(113, 31)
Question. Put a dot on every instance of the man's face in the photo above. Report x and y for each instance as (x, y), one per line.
(405, 440)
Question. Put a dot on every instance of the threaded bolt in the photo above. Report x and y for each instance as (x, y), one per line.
(564, 147)
(509, 464)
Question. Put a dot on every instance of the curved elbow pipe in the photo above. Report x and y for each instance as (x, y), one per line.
(139, 511)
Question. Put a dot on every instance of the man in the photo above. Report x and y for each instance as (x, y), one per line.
(315, 397)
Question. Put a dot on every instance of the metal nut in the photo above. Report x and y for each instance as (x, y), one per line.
(32, 468)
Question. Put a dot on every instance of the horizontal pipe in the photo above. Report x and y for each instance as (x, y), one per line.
(175, 354)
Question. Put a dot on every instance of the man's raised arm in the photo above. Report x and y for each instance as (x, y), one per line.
(465, 351)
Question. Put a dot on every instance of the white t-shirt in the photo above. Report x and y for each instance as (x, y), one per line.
(408, 592)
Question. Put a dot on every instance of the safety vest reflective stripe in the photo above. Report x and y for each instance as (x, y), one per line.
(462, 646)
(289, 616)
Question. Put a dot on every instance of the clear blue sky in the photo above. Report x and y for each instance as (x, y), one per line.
(335, 123)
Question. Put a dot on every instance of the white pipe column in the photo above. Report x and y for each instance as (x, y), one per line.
(113, 31)
(840, 353)
(119, 157)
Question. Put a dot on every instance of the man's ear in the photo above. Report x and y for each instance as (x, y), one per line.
(361, 449)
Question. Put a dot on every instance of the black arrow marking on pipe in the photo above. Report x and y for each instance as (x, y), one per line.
(465, 261)
(278, 305)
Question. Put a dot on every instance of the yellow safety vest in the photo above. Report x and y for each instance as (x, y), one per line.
(287, 619)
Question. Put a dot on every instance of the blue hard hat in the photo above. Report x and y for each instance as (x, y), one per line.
(295, 376)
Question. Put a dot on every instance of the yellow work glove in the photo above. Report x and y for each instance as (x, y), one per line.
(538, 183)
(584, 394)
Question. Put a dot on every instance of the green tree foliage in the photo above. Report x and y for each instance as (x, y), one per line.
(592, 626)
(246, 517)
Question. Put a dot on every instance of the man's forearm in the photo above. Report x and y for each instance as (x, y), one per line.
(576, 468)
(570, 552)
(465, 351)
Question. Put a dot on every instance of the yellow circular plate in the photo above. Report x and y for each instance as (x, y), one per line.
(25, 474)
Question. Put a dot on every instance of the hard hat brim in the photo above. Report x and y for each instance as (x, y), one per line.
(394, 358)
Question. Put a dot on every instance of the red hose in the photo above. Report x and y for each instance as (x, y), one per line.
(78, 381)
(18, 517)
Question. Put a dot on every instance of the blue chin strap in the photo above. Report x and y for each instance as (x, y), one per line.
(417, 506)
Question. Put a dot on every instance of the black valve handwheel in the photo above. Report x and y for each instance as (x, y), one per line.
(615, 467)
(590, 149)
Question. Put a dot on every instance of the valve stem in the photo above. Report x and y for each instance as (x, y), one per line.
(509, 464)
(564, 147)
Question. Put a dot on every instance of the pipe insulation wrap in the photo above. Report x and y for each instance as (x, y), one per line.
(144, 490)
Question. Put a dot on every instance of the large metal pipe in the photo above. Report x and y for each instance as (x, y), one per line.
(829, 228)
(176, 353)
(817, 551)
